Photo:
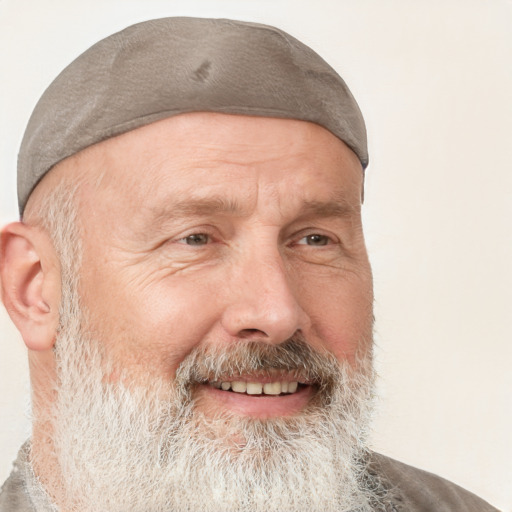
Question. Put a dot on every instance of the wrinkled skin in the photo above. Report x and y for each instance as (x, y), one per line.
(210, 229)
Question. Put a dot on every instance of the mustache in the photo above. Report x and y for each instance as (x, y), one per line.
(294, 356)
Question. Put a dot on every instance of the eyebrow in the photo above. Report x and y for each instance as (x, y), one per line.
(336, 208)
(219, 205)
(215, 205)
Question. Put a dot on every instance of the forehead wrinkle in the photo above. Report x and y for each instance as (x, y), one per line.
(216, 205)
(246, 153)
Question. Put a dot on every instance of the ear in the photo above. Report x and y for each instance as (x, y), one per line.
(30, 279)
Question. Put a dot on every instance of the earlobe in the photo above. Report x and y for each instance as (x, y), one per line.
(30, 278)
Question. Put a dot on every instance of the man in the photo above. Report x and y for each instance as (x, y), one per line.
(191, 281)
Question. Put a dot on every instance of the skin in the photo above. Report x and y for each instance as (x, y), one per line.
(203, 229)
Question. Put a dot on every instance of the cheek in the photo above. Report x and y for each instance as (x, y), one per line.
(178, 314)
(150, 329)
(341, 314)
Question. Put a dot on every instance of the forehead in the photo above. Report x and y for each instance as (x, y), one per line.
(217, 154)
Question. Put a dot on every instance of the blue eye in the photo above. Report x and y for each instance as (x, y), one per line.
(315, 240)
(196, 239)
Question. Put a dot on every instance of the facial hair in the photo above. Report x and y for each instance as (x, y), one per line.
(147, 448)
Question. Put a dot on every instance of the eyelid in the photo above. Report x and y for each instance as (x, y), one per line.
(303, 234)
(183, 239)
(303, 242)
(201, 230)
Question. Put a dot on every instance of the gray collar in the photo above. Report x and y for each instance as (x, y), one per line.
(22, 489)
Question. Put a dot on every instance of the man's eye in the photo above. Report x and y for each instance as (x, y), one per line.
(315, 240)
(196, 239)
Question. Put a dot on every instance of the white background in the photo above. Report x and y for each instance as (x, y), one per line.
(434, 80)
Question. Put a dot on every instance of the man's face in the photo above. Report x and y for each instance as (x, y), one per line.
(210, 230)
(215, 338)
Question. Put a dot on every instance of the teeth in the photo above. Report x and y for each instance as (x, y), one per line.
(257, 388)
(272, 388)
(239, 386)
(254, 388)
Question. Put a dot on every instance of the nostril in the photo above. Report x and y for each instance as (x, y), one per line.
(251, 333)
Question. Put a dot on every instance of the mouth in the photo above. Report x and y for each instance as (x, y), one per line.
(255, 396)
(258, 380)
(258, 388)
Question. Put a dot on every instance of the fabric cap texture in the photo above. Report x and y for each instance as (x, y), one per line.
(164, 67)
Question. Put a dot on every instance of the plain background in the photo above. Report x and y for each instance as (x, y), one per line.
(434, 80)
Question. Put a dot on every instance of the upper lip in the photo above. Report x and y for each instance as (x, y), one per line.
(264, 377)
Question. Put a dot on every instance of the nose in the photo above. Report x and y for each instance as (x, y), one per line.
(263, 305)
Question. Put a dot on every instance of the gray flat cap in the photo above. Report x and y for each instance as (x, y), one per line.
(164, 67)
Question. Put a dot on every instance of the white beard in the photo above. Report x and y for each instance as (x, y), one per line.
(147, 449)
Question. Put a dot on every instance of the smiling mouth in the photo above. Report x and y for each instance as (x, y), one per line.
(260, 395)
(258, 388)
